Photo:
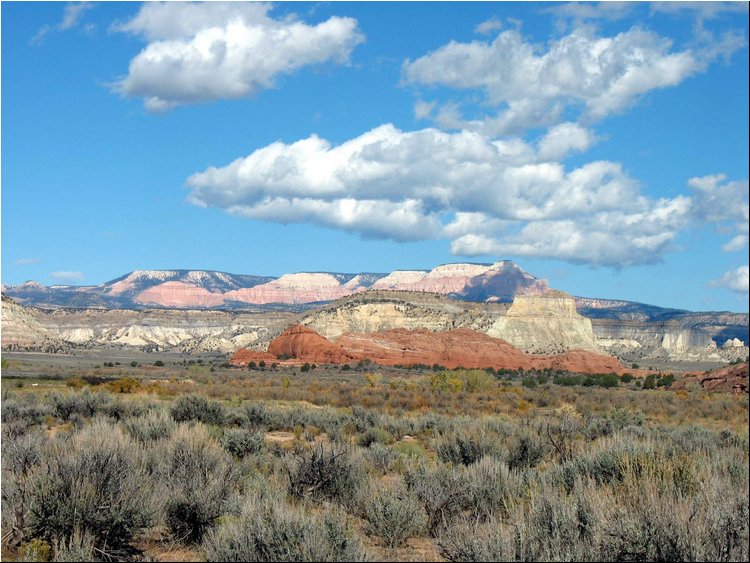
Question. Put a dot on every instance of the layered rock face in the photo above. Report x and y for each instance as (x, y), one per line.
(22, 329)
(453, 348)
(374, 311)
(199, 331)
(669, 339)
(545, 324)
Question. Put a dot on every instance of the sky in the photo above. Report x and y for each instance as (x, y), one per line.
(603, 147)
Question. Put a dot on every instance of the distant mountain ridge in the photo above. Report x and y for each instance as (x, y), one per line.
(190, 289)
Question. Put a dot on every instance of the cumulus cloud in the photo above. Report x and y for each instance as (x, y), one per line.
(723, 204)
(67, 277)
(199, 52)
(736, 280)
(581, 72)
(563, 139)
(506, 196)
(27, 261)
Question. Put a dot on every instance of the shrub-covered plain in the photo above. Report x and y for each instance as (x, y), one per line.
(568, 473)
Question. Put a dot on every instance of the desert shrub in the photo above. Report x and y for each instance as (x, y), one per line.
(493, 489)
(21, 456)
(241, 442)
(259, 415)
(35, 550)
(95, 483)
(195, 407)
(380, 457)
(526, 450)
(156, 425)
(598, 427)
(409, 450)
(467, 447)
(556, 528)
(199, 477)
(562, 430)
(365, 419)
(119, 409)
(84, 404)
(444, 492)
(656, 523)
(375, 436)
(393, 517)
(325, 473)
(270, 530)
(78, 547)
(467, 541)
(23, 412)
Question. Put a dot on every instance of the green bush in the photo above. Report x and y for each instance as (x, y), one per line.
(195, 407)
(526, 450)
(241, 442)
(467, 447)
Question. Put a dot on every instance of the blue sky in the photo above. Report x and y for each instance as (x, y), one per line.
(601, 146)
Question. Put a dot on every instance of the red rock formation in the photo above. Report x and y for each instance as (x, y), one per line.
(307, 345)
(729, 379)
(454, 348)
(179, 294)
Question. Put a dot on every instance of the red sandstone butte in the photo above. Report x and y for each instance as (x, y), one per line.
(453, 348)
(307, 345)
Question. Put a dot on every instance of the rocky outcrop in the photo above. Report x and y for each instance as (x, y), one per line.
(305, 344)
(21, 329)
(150, 329)
(667, 340)
(453, 348)
(374, 311)
(727, 379)
(545, 324)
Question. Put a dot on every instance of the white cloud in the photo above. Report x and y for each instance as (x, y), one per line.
(73, 13)
(736, 280)
(500, 194)
(724, 205)
(71, 17)
(423, 109)
(612, 238)
(705, 10)
(488, 26)
(215, 50)
(595, 76)
(581, 12)
(563, 139)
(67, 277)
(27, 261)
(737, 243)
